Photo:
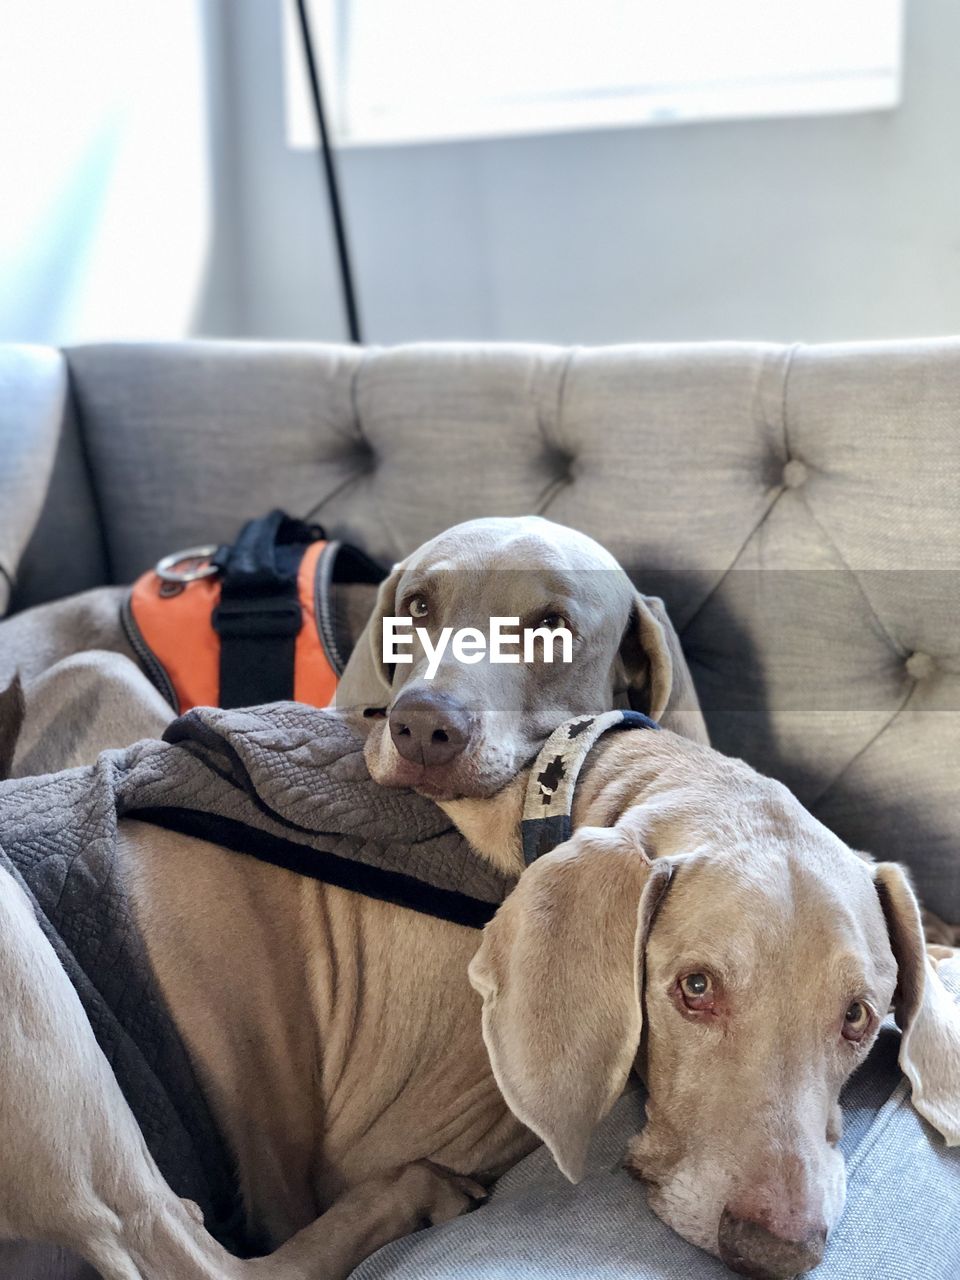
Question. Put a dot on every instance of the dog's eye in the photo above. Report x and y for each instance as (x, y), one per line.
(553, 622)
(417, 607)
(697, 990)
(856, 1021)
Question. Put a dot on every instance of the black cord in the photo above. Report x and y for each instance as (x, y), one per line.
(330, 178)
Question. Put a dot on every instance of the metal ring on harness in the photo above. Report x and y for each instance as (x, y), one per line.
(167, 570)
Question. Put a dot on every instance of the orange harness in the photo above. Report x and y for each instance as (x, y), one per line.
(245, 624)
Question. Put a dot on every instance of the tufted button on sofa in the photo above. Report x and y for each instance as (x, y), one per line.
(797, 508)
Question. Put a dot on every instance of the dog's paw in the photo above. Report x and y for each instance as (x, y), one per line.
(437, 1195)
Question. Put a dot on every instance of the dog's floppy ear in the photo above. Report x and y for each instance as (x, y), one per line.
(658, 678)
(559, 970)
(925, 1011)
(366, 680)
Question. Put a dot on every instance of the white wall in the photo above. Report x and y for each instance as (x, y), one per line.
(132, 207)
(811, 229)
(104, 214)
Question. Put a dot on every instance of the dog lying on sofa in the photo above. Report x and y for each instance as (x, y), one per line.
(701, 926)
(79, 702)
(85, 692)
(698, 922)
(377, 1143)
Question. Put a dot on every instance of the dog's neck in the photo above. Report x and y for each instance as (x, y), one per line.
(492, 824)
(606, 790)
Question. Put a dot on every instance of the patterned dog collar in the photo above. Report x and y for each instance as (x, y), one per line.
(548, 806)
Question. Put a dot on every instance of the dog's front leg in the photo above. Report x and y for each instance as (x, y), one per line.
(367, 1217)
(74, 1169)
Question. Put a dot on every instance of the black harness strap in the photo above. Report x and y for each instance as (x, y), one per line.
(318, 864)
(259, 615)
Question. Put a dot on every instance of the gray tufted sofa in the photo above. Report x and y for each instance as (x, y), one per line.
(797, 508)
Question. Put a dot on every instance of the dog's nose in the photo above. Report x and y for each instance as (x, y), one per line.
(751, 1250)
(429, 728)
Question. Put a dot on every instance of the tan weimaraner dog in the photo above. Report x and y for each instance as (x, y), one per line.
(468, 729)
(702, 926)
(699, 924)
(84, 693)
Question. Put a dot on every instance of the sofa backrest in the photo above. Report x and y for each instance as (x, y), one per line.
(797, 508)
(50, 538)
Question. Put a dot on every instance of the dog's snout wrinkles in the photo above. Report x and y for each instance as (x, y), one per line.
(751, 1250)
(429, 728)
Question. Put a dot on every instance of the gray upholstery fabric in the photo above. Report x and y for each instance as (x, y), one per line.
(33, 390)
(798, 509)
(187, 441)
(67, 552)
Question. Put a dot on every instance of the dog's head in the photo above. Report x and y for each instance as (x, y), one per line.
(746, 994)
(465, 726)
